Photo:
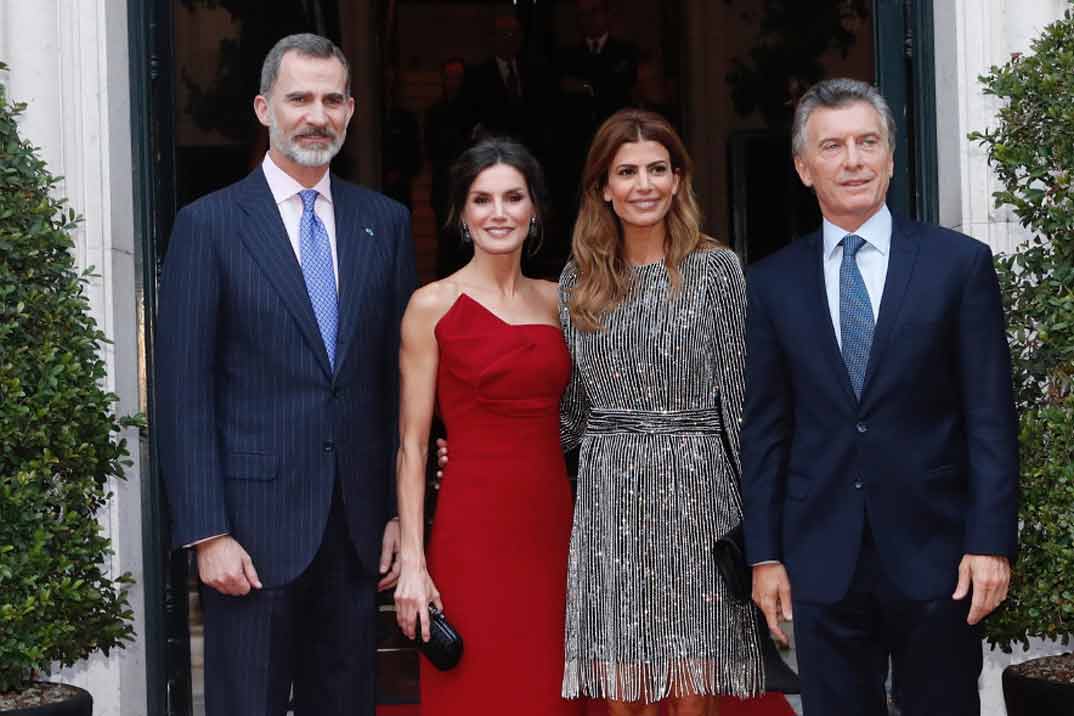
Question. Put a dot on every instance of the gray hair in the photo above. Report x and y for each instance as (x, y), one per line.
(833, 94)
(307, 45)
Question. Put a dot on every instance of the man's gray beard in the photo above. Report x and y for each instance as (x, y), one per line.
(300, 155)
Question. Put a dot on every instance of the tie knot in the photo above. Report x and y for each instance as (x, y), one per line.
(851, 244)
(309, 198)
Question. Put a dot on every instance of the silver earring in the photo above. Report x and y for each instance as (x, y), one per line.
(534, 229)
(466, 234)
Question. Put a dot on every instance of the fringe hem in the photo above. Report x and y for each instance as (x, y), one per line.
(653, 682)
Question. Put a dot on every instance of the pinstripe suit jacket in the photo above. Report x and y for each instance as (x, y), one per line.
(253, 425)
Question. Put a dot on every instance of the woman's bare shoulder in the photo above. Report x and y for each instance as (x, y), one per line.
(548, 292)
(430, 302)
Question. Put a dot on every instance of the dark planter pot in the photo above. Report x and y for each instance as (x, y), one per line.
(73, 701)
(1035, 696)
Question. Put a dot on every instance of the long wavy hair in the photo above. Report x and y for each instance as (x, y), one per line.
(604, 274)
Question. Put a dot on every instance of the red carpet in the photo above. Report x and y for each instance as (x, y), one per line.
(769, 705)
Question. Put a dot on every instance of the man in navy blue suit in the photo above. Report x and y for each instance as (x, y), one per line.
(277, 400)
(879, 441)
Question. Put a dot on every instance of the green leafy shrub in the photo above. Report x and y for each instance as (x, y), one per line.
(1032, 152)
(57, 434)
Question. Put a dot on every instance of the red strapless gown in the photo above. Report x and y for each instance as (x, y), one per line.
(499, 541)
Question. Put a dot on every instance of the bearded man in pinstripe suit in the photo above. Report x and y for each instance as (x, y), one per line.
(277, 395)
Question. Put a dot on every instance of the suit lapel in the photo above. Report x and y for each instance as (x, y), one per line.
(266, 239)
(356, 235)
(900, 269)
(822, 315)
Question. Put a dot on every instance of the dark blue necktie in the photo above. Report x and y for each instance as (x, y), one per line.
(316, 263)
(855, 314)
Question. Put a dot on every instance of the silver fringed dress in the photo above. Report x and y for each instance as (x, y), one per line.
(648, 616)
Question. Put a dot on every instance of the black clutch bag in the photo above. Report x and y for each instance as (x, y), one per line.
(730, 555)
(731, 562)
(444, 648)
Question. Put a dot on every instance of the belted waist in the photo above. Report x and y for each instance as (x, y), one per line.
(706, 421)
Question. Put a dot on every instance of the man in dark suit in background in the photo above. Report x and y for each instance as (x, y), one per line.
(879, 442)
(449, 129)
(596, 79)
(598, 74)
(277, 395)
(504, 89)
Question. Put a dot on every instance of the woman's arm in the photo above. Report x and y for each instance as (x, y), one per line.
(418, 360)
(728, 300)
(574, 405)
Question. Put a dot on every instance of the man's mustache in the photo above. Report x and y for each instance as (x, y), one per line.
(326, 134)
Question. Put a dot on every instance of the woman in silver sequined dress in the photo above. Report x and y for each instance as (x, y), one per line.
(653, 313)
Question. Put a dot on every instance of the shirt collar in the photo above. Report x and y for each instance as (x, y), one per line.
(596, 44)
(876, 231)
(283, 186)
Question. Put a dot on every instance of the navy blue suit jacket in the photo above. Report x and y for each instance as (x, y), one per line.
(253, 425)
(928, 456)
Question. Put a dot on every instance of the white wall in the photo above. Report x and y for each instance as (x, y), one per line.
(972, 36)
(68, 61)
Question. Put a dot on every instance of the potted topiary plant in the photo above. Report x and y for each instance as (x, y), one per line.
(58, 447)
(1031, 150)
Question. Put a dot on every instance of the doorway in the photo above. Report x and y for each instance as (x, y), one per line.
(726, 73)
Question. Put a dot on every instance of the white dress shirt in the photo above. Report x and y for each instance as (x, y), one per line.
(285, 191)
(872, 259)
(596, 44)
(506, 67)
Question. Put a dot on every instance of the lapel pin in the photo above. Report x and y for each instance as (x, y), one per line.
(369, 230)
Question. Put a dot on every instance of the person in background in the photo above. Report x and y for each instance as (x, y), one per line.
(449, 129)
(879, 443)
(599, 73)
(401, 146)
(596, 78)
(504, 89)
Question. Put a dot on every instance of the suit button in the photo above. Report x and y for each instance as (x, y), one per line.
(862, 428)
(337, 393)
(328, 446)
(858, 484)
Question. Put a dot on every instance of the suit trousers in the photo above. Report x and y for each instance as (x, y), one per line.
(318, 632)
(843, 649)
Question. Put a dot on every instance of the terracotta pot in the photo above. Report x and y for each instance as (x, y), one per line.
(66, 701)
(1031, 695)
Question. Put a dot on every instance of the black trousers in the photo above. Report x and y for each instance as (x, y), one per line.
(843, 650)
(317, 632)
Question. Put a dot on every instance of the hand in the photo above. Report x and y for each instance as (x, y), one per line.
(441, 457)
(574, 85)
(389, 556)
(413, 596)
(226, 567)
(772, 593)
(990, 576)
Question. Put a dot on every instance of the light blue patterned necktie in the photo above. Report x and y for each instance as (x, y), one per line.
(316, 252)
(855, 314)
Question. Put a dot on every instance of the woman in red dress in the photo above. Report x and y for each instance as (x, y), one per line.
(485, 344)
